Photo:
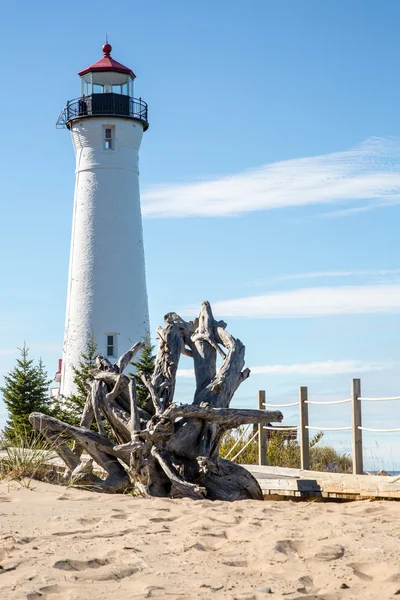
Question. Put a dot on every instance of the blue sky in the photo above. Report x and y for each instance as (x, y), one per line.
(270, 185)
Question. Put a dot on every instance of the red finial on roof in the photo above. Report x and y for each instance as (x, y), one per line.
(107, 48)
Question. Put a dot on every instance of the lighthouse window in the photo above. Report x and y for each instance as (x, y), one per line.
(111, 344)
(108, 138)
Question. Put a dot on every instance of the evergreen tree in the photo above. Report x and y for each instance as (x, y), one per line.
(146, 364)
(25, 390)
(70, 409)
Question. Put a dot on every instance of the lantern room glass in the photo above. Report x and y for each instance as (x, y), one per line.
(86, 85)
(106, 82)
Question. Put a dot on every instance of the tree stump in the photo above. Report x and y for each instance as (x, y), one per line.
(168, 450)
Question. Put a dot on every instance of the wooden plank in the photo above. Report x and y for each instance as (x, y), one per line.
(392, 479)
(336, 491)
(282, 471)
(295, 485)
(325, 485)
(262, 438)
(357, 448)
(304, 433)
(278, 484)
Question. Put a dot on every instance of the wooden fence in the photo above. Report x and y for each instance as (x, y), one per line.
(304, 427)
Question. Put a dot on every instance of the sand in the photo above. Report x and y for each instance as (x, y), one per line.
(71, 544)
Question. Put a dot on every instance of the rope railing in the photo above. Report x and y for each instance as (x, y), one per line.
(328, 428)
(292, 428)
(281, 405)
(378, 430)
(253, 437)
(356, 427)
(378, 399)
(330, 402)
(241, 436)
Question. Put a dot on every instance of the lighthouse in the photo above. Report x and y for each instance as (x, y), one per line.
(107, 293)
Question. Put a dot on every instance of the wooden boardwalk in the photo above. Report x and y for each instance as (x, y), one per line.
(281, 483)
(278, 482)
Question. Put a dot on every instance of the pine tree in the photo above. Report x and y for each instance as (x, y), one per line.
(145, 364)
(25, 390)
(70, 409)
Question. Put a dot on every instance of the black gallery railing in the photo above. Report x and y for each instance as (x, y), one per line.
(97, 105)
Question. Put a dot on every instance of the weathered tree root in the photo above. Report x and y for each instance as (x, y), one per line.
(170, 450)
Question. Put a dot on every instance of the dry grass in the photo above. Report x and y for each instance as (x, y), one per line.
(25, 460)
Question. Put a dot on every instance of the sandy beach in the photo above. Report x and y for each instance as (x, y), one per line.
(67, 543)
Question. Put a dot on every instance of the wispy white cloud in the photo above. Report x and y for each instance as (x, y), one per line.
(312, 302)
(345, 212)
(323, 368)
(368, 275)
(368, 174)
(331, 274)
(328, 367)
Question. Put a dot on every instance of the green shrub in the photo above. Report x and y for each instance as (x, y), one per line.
(25, 390)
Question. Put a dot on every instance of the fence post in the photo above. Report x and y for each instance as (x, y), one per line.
(304, 433)
(357, 446)
(262, 434)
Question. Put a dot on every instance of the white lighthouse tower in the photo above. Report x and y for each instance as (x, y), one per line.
(107, 285)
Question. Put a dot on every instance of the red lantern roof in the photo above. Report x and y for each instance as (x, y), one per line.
(107, 64)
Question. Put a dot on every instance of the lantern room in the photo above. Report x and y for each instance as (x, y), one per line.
(107, 76)
(106, 90)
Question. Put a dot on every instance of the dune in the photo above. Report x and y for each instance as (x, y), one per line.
(65, 543)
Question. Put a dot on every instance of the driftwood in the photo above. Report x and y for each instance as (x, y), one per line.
(166, 449)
